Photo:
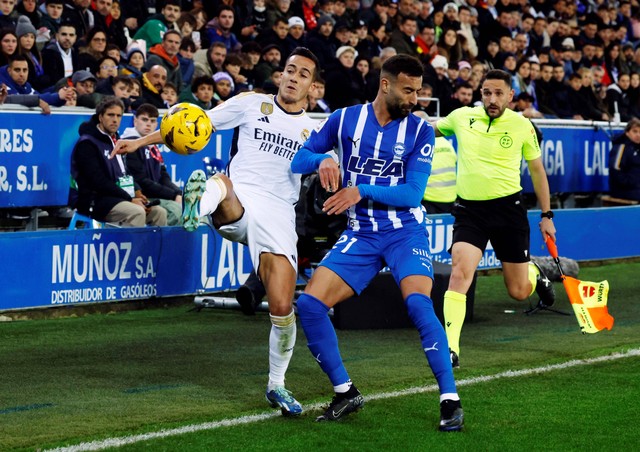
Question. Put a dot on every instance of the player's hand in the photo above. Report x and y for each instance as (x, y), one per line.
(341, 201)
(547, 228)
(124, 147)
(329, 173)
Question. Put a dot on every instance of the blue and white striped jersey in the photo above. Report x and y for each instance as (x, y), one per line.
(375, 155)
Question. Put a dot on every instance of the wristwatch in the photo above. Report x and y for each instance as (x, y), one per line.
(548, 214)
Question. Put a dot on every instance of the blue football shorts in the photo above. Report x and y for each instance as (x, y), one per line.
(357, 257)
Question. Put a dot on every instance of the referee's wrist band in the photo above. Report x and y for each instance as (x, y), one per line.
(548, 214)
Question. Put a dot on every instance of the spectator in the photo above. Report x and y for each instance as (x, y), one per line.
(544, 96)
(219, 29)
(200, 93)
(624, 163)
(134, 66)
(224, 86)
(437, 78)
(106, 190)
(154, 29)
(26, 33)
(256, 21)
(270, 60)
(276, 35)
(614, 63)
(107, 67)
(153, 82)
(136, 89)
(402, 39)
(201, 22)
(365, 80)
(462, 97)
(165, 54)
(147, 166)
(310, 14)
(374, 42)
(103, 16)
(89, 55)
(187, 25)
(52, 16)
(78, 14)
(8, 45)
(15, 75)
(29, 8)
(59, 57)
(538, 36)
(450, 45)
(618, 99)
(253, 52)
(185, 57)
(208, 62)
(280, 9)
(317, 104)
(232, 66)
(272, 84)
(424, 107)
(169, 95)
(8, 15)
(320, 42)
(134, 14)
(342, 87)
(450, 20)
(524, 105)
(295, 37)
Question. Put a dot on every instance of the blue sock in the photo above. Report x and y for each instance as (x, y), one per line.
(434, 340)
(321, 338)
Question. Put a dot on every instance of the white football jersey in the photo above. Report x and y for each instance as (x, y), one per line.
(264, 144)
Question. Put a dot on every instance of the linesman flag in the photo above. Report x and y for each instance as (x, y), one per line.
(588, 299)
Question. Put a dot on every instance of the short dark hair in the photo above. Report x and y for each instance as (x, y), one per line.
(187, 44)
(108, 102)
(499, 74)
(177, 3)
(202, 80)
(122, 79)
(304, 52)
(171, 32)
(147, 109)
(17, 57)
(402, 64)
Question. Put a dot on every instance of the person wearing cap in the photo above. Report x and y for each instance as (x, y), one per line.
(341, 86)
(320, 42)
(134, 64)
(84, 83)
(26, 34)
(296, 36)
(29, 8)
(450, 20)
(270, 59)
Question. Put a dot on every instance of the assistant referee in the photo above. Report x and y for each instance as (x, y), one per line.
(492, 140)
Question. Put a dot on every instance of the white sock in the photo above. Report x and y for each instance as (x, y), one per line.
(344, 387)
(449, 396)
(281, 342)
(214, 193)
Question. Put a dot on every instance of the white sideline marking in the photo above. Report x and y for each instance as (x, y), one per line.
(124, 440)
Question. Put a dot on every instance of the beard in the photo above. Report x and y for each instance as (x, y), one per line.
(399, 111)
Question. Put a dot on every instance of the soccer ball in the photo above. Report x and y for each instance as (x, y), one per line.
(186, 128)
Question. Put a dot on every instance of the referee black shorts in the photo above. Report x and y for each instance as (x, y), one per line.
(502, 220)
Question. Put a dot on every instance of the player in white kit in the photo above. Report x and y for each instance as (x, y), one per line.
(257, 208)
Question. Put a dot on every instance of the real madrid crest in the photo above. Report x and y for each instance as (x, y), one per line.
(304, 135)
(266, 108)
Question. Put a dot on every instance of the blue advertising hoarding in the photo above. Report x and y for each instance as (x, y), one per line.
(57, 268)
(35, 151)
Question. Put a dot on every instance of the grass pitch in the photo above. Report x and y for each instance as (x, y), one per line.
(71, 380)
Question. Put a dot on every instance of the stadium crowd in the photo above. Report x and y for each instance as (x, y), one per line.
(576, 59)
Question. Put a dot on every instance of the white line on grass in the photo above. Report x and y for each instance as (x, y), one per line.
(117, 442)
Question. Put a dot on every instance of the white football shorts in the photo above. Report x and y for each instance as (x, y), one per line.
(267, 226)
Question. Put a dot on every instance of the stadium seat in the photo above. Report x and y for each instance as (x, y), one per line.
(79, 221)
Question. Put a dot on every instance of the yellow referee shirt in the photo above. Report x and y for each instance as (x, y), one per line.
(490, 151)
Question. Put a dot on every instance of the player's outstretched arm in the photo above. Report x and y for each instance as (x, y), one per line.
(129, 146)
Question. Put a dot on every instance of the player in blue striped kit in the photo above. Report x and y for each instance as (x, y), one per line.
(385, 157)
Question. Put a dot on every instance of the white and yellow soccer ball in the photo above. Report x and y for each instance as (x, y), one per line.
(186, 128)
